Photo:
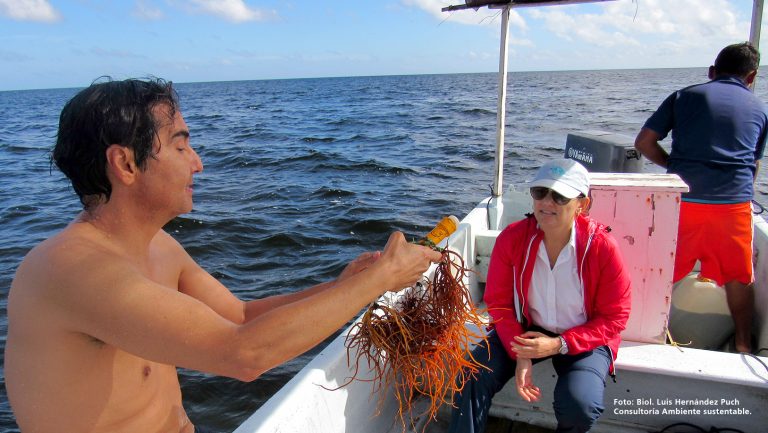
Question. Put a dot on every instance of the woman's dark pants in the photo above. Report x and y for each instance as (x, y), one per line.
(578, 400)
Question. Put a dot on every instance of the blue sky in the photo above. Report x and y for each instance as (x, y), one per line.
(50, 43)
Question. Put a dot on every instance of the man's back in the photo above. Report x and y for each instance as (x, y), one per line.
(60, 378)
(718, 128)
(719, 132)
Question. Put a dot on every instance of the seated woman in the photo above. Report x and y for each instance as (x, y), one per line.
(556, 289)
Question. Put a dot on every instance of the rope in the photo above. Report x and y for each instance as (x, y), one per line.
(701, 429)
(672, 341)
(488, 208)
(757, 208)
(758, 359)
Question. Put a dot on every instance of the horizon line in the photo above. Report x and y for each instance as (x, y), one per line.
(357, 76)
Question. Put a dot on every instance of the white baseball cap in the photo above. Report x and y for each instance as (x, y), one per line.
(564, 176)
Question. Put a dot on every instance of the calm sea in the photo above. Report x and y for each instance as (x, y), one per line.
(303, 175)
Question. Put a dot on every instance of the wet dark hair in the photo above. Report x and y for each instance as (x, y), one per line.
(737, 59)
(105, 113)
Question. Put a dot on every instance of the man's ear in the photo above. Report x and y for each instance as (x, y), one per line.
(750, 78)
(121, 164)
(712, 73)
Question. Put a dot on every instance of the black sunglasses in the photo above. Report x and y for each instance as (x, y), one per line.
(540, 192)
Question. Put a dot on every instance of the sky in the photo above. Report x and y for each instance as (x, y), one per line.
(53, 44)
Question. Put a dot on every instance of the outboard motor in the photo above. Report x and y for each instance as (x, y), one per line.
(604, 152)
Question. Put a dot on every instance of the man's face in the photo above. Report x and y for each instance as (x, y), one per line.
(166, 183)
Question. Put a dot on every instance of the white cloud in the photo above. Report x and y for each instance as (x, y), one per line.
(146, 11)
(482, 16)
(474, 55)
(110, 52)
(683, 23)
(520, 42)
(592, 29)
(29, 10)
(232, 10)
(621, 33)
(683, 18)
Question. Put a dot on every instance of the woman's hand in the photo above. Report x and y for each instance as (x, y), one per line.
(523, 380)
(534, 345)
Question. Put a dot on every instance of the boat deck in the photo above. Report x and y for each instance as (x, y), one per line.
(653, 381)
(495, 425)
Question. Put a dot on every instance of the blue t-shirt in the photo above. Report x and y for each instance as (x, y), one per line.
(718, 133)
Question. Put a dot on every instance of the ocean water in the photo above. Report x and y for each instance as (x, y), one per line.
(303, 175)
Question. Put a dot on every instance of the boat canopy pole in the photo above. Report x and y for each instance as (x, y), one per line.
(754, 30)
(757, 20)
(502, 104)
(497, 188)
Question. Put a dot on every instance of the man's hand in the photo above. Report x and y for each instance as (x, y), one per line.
(523, 380)
(358, 264)
(534, 345)
(406, 262)
(647, 143)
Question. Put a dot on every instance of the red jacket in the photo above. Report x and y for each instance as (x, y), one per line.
(604, 280)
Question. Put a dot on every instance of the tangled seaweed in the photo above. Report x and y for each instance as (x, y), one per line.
(421, 345)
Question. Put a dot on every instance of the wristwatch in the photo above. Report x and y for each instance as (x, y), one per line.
(563, 345)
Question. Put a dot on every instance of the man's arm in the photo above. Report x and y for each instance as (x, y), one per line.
(259, 306)
(757, 170)
(118, 305)
(647, 143)
(196, 282)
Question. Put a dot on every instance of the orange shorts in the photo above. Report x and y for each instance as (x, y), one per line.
(720, 237)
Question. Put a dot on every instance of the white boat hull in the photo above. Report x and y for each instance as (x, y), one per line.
(657, 385)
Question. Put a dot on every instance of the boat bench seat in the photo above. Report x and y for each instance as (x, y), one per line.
(484, 242)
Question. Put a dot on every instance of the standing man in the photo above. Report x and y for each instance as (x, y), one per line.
(718, 137)
(102, 313)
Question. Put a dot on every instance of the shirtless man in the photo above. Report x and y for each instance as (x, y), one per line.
(101, 313)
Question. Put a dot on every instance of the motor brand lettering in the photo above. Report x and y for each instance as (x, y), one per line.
(580, 155)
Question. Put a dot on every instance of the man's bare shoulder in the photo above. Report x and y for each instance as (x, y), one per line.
(56, 274)
(167, 245)
(73, 253)
(83, 273)
(81, 261)
(80, 249)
